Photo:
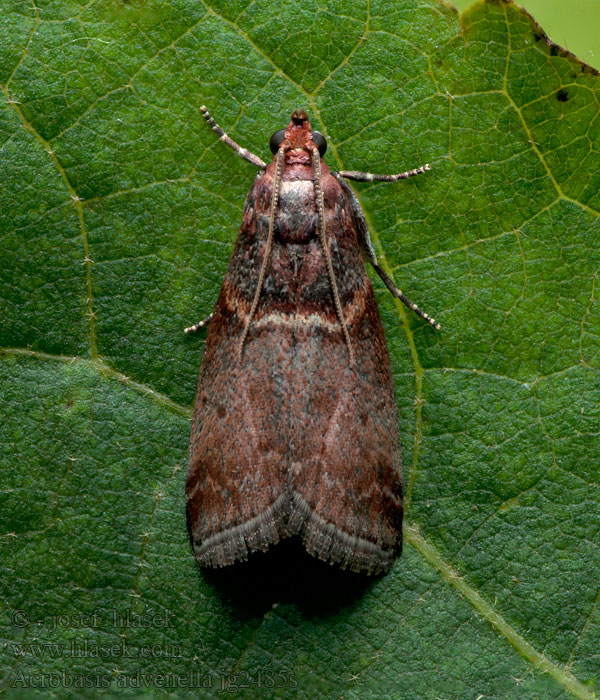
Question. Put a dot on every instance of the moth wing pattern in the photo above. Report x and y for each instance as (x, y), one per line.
(236, 492)
(232, 458)
(347, 480)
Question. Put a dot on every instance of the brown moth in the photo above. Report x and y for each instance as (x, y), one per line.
(295, 427)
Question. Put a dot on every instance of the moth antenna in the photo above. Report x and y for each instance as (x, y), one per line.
(265, 262)
(316, 162)
(242, 152)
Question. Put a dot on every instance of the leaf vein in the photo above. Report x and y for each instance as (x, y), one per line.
(538, 661)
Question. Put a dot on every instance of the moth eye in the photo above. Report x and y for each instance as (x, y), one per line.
(319, 141)
(276, 140)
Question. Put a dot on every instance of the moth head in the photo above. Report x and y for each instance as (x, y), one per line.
(298, 136)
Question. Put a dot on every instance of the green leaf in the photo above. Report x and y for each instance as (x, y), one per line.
(118, 213)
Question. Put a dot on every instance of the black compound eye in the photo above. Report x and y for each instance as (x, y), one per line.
(276, 140)
(319, 141)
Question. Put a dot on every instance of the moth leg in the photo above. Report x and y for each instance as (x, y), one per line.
(366, 245)
(199, 325)
(371, 177)
(399, 295)
(242, 152)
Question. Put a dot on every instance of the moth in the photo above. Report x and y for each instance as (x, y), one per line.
(295, 426)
